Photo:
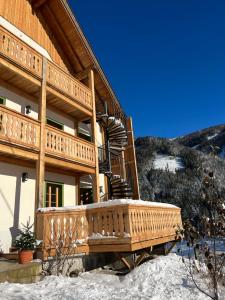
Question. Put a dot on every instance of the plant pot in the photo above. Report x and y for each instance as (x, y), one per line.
(25, 256)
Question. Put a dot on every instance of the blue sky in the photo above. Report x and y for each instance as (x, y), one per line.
(165, 60)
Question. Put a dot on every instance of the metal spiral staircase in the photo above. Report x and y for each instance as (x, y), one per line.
(116, 140)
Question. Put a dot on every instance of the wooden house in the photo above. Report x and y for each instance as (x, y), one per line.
(64, 138)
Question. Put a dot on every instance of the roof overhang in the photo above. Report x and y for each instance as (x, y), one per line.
(63, 23)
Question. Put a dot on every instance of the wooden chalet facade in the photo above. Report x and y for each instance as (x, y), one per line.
(64, 138)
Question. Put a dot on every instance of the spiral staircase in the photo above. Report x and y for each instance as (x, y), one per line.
(116, 140)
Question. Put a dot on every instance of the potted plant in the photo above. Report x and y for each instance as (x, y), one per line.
(26, 243)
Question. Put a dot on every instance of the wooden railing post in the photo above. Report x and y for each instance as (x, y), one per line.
(95, 177)
(40, 167)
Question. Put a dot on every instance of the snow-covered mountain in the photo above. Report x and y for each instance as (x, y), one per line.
(171, 170)
(206, 139)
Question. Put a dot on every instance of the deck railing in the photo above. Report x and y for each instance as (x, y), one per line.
(26, 57)
(113, 225)
(24, 131)
(67, 146)
(18, 129)
(19, 52)
(68, 85)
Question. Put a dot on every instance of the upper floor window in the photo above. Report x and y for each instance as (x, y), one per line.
(55, 124)
(2, 100)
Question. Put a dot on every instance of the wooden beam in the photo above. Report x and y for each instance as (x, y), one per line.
(38, 3)
(66, 165)
(130, 155)
(75, 105)
(85, 73)
(95, 177)
(13, 151)
(40, 179)
(18, 71)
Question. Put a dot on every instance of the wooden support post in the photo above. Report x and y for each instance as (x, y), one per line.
(40, 167)
(130, 158)
(77, 184)
(95, 177)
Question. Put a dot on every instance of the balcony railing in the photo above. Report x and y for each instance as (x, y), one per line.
(20, 53)
(18, 129)
(24, 131)
(107, 229)
(70, 147)
(26, 57)
(68, 85)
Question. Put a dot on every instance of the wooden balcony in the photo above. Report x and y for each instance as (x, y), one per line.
(64, 145)
(114, 228)
(21, 66)
(19, 132)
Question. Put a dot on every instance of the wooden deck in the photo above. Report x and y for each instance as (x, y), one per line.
(114, 228)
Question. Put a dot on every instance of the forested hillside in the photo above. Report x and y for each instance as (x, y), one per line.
(172, 170)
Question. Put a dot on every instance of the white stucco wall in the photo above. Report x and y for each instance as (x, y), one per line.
(69, 186)
(18, 103)
(99, 135)
(17, 198)
(67, 122)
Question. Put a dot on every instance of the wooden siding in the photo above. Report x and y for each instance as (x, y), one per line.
(31, 22)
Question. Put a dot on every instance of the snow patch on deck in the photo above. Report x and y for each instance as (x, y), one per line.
(108, 203)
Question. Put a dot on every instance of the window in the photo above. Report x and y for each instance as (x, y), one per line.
(84, 136)
(54, 123)
(2, 100)
(53, 194)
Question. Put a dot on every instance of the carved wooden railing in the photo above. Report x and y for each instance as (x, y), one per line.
(19, 52)
(68, 227)
(69, 147)
(18, 129)
(69, 85)
(111, 225)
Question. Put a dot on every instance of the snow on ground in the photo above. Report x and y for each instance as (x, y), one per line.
(166, 162)
(163, 278)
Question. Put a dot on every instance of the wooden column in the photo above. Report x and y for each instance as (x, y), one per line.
(130, 159)
(95, 177)
(40, 167)
(77, 185)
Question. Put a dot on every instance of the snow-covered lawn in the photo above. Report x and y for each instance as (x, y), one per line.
(166, 162)
(163, 278)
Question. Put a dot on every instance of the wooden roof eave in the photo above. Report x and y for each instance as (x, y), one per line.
(84, 58)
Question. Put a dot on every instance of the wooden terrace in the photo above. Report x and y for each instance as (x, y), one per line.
(115, 228)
